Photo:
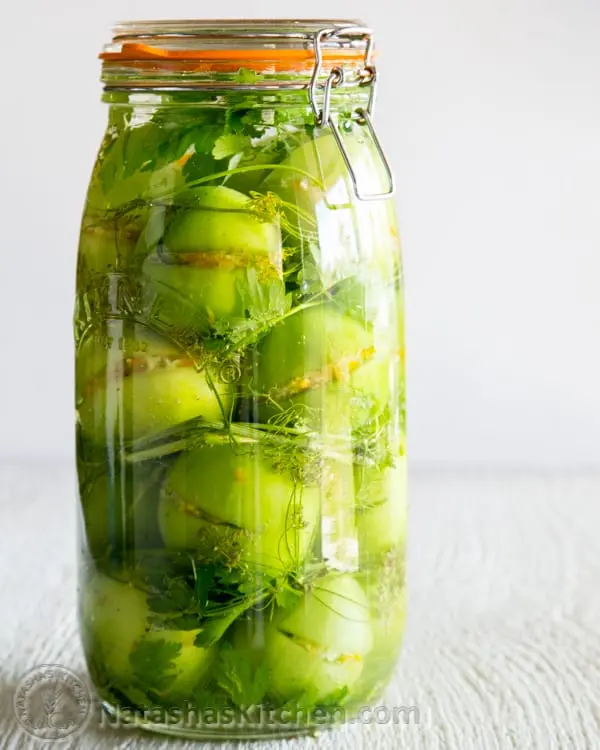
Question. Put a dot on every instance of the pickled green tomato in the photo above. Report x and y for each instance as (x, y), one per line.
(230, 506)
(321, 365)
(116, 619)
(102, 243)
(353, 238)
(338, 540)
(203, 229)
(388, 617)
(118, 510)
(381, 511)
(319, 646)
(317, 172)
(217, 260)
(381, 524)
(113, 223)
(137, 384)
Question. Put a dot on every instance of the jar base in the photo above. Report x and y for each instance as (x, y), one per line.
(119, 718)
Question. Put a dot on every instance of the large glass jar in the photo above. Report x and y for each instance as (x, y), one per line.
(240, 382)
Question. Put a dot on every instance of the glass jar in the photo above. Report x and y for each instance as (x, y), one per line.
(240, 382)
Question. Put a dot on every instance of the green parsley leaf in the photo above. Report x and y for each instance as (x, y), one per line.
(177, 596)
(245, 684)
(153, 662)
(246, 76)
(205, 138)
(229, 144)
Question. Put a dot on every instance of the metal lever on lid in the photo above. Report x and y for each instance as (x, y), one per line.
(323, 114)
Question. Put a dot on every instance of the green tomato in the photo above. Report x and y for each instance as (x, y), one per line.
(317, 174)
(381, 511)
(362, 237)
(221, 221)
(103, 243)
(231, 506)
(322, 366)
(134, 384)
(338, 533)
(388, 617)
(389, 624)
(321, 644)
(115, 222)
(312, 171)
(116, 621)
(218, 261)
(120, 512)
(114, 618)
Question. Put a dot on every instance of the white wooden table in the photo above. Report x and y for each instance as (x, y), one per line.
(503, 642)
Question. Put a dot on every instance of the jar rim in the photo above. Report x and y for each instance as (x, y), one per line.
(264, 26)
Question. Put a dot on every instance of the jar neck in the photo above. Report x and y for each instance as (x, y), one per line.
(344, 101)
(170, 75)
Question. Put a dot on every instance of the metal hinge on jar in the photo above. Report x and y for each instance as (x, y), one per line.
(368, 77)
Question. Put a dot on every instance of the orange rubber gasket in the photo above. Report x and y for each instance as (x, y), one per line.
(231, 59)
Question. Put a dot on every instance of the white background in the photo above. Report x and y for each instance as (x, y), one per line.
(490, 113)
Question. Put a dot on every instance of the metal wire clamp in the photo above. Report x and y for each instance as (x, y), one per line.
(323, 117)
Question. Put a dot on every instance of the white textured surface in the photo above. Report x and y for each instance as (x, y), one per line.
(503, 644)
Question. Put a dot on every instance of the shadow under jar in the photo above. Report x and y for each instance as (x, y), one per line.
(240, 382)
